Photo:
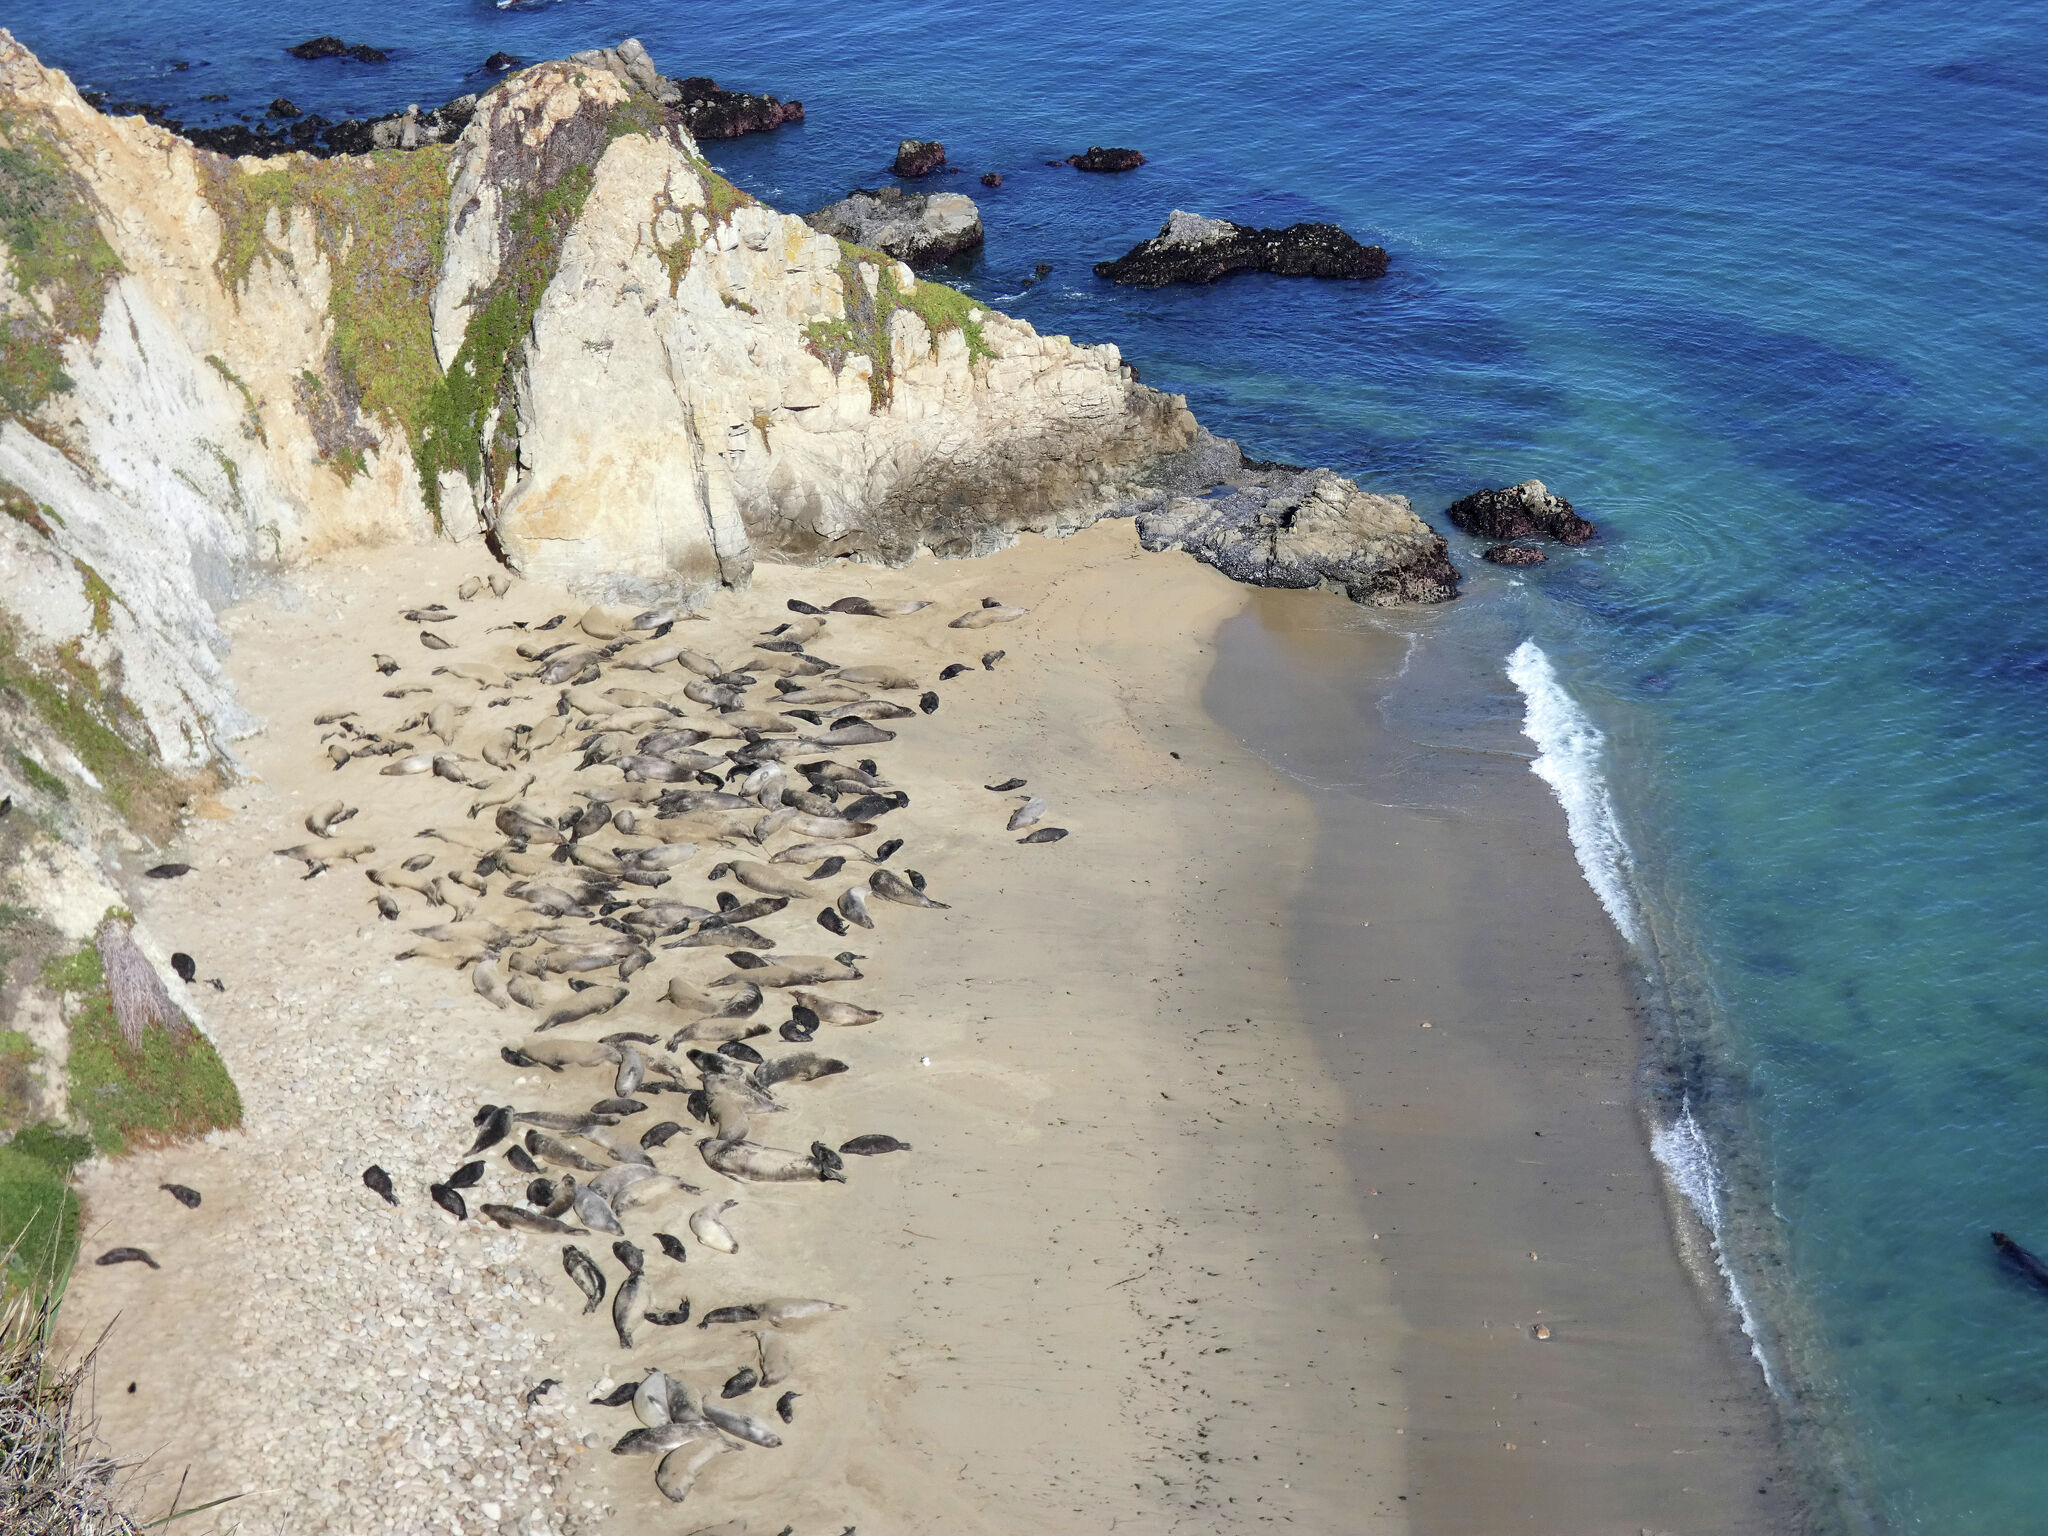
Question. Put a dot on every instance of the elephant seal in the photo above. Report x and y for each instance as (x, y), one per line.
(709, 1230)
(743, 1426)
(1026, 814)
(676, 1477)
(873, 1144)
(1044, 835)
(582, 1269)
(799, 971)
(740, 1382)
(991, 612)
(2018, 1259)
(890, 886)
(835, 1011)
(765, 1165)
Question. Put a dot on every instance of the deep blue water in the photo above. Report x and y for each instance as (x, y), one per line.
(1763, 288)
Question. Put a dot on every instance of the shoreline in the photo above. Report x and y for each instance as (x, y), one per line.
(1411, 749)
(1132, 1272)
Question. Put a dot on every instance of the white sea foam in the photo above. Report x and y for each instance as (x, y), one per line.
(1688, 1161)
(1569, 756)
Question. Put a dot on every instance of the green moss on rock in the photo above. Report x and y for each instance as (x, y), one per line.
(379, 219)
(90, 718)
(170, 1088)
(864, 330)
(26, 510)
(56, 256)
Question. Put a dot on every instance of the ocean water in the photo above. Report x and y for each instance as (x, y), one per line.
(1763, 288)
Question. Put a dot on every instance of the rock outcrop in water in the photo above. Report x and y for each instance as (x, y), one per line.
(1278, 526)
(1513, 554)
(921, 229)
(1524, 511)
(918, 157)
(1106, 160)
(1193, 249)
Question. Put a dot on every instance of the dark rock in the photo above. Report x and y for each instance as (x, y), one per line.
(1525, 511)
(215, 96)
(314, 135)
(179, 66)
(500, 64)
(283, 108)
(1100, 159)
(918, 157)
(921, 228)
(1281, 527)
(326, 47)
(710, 113)
(1513, 554)
(991, 179)
(1192, 249)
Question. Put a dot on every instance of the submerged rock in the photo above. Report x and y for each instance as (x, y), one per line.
(991, 178)
(1193, 249)
(1513, 554)
(918, 157)
(501, 63)
(920, 228)
(1100, 159)
(327, 47)
(1273, 525)
(1525, 511)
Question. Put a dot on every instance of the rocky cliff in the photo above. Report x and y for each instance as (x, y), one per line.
(562, 334)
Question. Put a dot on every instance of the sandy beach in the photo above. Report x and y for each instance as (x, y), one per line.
(1201, 1229)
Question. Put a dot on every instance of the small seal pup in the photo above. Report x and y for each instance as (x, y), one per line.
(873, 1144)
(1044, 835)
(379, 1183)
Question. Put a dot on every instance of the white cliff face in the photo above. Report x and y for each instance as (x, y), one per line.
(626, 373)
(676, 417)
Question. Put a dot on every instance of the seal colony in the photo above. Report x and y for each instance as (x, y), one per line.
(630, 845)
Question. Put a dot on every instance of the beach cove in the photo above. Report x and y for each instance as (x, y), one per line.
(1201, 1228)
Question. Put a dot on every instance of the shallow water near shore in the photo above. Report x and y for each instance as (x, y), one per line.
(1758, 287)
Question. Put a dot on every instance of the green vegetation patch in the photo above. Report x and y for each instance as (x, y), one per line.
(721, 199)
(865, 329)
(26, 510)
(169, 1088)
(38, 1220)
(56, 255)
(379, 219)
(93, 720)
(479, 380)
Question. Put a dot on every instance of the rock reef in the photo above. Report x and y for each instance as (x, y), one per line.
(918, 157)
(1192, 249)
(1106, 160)
(1525, 511)
(921, 229)
(1275, 525)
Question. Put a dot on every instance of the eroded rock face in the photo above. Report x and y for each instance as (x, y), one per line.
(920, 228)
(1524, 511)
(1276, 526)
(1192, 249)
(918, 157)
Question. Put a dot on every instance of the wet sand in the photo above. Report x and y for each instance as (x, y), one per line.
(1476, 1005)
(1201, 1232)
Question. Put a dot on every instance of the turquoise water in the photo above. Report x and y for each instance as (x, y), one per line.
(1763, 288)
